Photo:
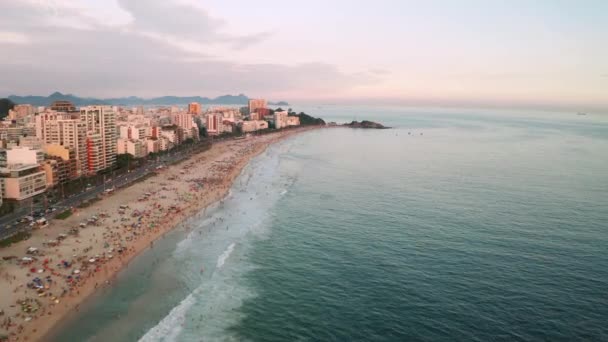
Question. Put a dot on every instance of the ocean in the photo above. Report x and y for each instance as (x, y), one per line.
(455, 225)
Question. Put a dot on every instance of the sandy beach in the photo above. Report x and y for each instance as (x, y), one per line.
(48, 276)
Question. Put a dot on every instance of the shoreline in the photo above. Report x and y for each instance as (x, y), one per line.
(188, 188)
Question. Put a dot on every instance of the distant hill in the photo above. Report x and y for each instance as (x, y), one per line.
(133, 100)
(280, 103)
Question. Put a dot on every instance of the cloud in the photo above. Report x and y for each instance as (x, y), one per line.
(173, 18)
(147, 56)
(379, 71)
(27, 14)
(7, 37)
(184, 21)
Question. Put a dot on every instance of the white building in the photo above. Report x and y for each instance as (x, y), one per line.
(22, 181)
(136, 148)
(134, 132)
(252, 126)
(24, 155)
(280, 119)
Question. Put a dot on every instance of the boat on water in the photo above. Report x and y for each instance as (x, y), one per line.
(580, 113)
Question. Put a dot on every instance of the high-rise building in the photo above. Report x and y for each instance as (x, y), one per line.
(186, 121)
(100, 124)
(63, 106)
(46, 116)
(20, 111)
(71, 134)
(280, 119)
(195, 108)
(66, 157)
(212, 123)
(255, 104)
(95, 154)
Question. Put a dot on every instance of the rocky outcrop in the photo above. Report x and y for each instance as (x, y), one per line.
(366, 124)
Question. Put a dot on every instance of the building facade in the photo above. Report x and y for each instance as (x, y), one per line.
(22, 181)
(195, 108)
(63, 106)
(255, 104)
(212, 123)
(100, 124)
(95, 154)
(24, 155)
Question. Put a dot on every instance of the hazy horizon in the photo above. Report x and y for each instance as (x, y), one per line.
(476, 53)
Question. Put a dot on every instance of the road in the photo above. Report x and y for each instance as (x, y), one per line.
(9, 224)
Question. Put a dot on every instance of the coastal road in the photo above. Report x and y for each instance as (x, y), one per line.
(9, 224)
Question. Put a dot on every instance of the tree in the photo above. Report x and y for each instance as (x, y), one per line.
(5, 106)
(306, 119)
(202, 130)
(124, 160)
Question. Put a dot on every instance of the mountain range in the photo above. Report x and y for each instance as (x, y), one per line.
(134, 100)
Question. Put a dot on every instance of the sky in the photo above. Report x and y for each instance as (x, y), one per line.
(466, 52)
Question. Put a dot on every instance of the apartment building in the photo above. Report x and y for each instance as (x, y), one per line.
(100, 124)
(22, 181)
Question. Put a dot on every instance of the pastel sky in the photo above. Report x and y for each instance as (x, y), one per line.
(550, 53)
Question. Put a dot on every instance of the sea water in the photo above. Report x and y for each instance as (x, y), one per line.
(455, 225)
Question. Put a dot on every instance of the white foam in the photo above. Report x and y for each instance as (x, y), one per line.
(171, 326)
(224, 256)
(213, 306)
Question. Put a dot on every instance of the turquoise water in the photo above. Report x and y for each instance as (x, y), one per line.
(455, 225)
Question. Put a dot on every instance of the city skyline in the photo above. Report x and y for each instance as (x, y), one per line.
(471, 53)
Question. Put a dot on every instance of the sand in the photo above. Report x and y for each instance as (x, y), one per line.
(97, 242)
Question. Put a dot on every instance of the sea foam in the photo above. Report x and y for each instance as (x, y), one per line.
(170, 327)
(224, 256)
